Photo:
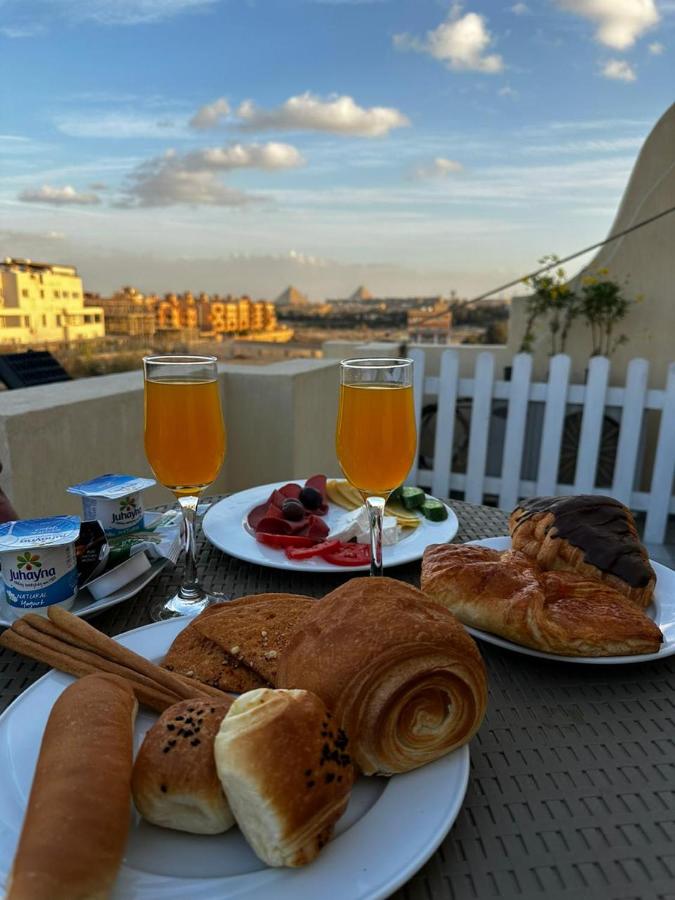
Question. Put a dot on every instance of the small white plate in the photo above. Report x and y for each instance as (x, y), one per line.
(85, 605)
(661, 610)
(223, 526)
(391, 827)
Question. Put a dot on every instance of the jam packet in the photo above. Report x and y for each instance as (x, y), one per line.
(114, 500)
(39, 562)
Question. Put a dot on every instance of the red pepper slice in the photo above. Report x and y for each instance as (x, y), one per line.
(284, 540)
(309, 552)
(348, 554)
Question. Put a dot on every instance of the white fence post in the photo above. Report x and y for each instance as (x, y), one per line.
(514, 439)
(481, 412)
(591, 425)
(445, 423)
(664, 466)
(554, 417)
(632, 413)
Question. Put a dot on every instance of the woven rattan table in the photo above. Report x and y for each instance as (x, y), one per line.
(572, 789)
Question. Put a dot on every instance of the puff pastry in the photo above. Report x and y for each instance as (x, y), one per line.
(558, 612)
(591, 535)
(401, 675)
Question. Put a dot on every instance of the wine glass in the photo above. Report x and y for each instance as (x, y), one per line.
(185, 446)
(376, 438)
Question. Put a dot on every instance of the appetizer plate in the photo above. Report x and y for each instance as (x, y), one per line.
(224, 527)
(661, 610)
(86, 605)
(391, 827)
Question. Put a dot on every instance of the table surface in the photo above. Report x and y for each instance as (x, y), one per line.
(572, 788)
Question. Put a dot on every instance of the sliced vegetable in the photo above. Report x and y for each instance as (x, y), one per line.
(412, 497)
(348, 555)
(395, 494)
(284, 540)
(309, 552)
(434, 510)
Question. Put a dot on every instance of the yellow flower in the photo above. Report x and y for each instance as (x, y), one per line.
(603, 271)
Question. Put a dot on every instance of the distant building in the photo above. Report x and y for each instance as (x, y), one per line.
(291, 297)
(360, 295)
(236, 315)
(430, 324)
(44, 302)
(128, 312)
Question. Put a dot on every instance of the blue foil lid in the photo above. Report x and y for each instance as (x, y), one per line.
(111, 486)
(53, 531)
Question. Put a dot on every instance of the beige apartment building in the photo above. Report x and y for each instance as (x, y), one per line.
(44, 302)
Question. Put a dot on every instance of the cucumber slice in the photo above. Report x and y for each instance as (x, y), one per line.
(434, 510)
(412, 497)
(395, 495)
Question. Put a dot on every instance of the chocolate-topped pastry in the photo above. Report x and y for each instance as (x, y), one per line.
(592, 535)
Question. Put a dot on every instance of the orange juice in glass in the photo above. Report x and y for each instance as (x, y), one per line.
(185, 446)
(376, 437)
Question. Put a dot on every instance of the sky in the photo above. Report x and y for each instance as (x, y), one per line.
(414, 146)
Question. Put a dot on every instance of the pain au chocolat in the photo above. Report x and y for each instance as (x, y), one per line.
(591, 535)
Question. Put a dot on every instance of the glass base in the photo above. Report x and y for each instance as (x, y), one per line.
(179, 605)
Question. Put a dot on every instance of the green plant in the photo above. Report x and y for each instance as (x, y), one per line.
(552, 298)
(603, 306)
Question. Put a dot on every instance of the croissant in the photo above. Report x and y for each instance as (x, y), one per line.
(558, 612)
(594, 536)
(401, 675)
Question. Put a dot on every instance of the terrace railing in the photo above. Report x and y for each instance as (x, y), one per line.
(578, 438)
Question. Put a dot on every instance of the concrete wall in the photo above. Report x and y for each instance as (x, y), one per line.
(280, 421)
(643, 260)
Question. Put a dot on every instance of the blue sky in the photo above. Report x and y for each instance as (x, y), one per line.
(414, 145)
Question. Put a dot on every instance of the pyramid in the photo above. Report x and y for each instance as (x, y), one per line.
(360, 294)
(291, 297)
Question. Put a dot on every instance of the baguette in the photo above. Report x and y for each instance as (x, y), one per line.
(76, 824)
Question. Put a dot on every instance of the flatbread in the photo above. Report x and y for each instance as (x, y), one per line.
(255, 633)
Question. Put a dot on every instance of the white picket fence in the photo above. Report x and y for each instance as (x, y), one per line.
(633, 400)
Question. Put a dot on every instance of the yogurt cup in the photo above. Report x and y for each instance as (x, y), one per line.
(39, 563)
(115, 500)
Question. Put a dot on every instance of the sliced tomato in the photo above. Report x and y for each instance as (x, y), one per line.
(284, 540)
(348, 554)
(309, 552)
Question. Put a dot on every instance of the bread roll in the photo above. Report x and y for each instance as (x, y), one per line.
(285, 768)
(174, 782)
(401, 675)
(76, 823)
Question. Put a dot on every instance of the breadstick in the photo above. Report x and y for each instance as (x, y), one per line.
(109, 648)
(155, 699)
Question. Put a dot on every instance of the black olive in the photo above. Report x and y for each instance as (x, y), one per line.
(292, 510)
(310, 498)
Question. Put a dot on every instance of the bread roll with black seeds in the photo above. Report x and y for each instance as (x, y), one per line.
(286, 770)
(174, 782)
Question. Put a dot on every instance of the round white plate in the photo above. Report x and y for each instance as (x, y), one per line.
(661, 610)
(224, 527)
(391, 826)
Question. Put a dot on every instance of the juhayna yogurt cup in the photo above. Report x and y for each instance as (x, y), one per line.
(39, 563)
(115, 500)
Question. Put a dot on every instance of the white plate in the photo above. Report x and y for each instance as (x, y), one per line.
(391, 827)
(85, 605)
(661, 610)
(224, 527)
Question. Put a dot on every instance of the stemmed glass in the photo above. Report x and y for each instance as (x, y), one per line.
(376, 438)
(185, 446)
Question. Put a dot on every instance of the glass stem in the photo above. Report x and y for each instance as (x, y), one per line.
(375, 507)
(190, 589)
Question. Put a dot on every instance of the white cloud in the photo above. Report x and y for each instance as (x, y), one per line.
(439, 167)
(619, 70)
(337, 115)
(507, 91)
(119, 125)
(620, 22)
(461, 42)
(23, 18)
(520, 9)
(210, 115)
(656, 49)
(58, 196)
(192, 178)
